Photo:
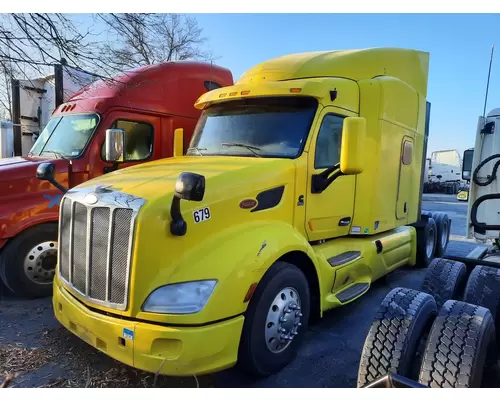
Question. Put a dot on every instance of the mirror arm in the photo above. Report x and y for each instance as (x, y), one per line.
(57, 185)
(328, 171)
(321, 181)
(178, 226)
(111, 168)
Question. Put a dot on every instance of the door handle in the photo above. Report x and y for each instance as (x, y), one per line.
(345, 221)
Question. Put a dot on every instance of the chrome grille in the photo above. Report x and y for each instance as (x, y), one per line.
(121, 233)
(99, 253)
(79, 241)
(96, 245)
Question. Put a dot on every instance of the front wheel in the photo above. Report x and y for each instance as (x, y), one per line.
(28, 262)
(276, 320)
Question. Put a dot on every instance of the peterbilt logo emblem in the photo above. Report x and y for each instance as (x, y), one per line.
(91, 198)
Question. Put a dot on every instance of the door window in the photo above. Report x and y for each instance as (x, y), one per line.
(328, 142)
(138, 139)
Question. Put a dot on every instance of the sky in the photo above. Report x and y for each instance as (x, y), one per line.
(459, 47)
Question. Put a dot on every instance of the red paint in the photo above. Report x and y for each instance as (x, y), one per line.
(248, 203)
(162, 95)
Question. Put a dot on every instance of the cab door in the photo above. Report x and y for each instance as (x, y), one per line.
(329, 213)
(142, 140)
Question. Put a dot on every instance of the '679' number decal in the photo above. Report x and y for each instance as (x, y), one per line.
(201, 215)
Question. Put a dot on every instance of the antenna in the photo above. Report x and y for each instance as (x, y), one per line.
(488, 83)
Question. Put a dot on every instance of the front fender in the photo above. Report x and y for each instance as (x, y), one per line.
(237, 258)
(18, 213)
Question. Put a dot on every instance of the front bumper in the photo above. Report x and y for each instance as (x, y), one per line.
(179, 351)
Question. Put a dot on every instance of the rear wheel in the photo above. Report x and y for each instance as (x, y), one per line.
(275, 321)
(400, 328)
(28, 262)
(445, 280)
(483, 289)
(443, 232)
(426, 243)
(460, 348)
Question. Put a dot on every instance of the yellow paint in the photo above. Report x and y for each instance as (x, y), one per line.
(178, 142)
(381, 95)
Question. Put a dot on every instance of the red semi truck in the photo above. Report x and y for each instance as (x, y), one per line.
(152, 104)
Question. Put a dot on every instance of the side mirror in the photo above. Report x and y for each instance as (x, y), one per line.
(178, 142)
(115, 145)
(351, 152)
(467, 164)
(45, 172)
(190, 186)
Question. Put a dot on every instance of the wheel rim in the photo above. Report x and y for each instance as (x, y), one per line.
(40, 263)
(430, 243)
(444, 235)
(283, 320)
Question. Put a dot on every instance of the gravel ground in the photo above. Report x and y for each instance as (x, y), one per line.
(40, 352)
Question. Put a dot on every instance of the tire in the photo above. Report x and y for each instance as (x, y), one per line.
(403, 318)
(30, 278)
(254, 355)
(443, 224)
(4, 290)
(483, 289)
(423, 233)
(460, 348)
(445, 280)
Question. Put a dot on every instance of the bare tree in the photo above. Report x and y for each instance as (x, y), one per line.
(6, 76)
(35, 41)
(31, 43)
(144, 39)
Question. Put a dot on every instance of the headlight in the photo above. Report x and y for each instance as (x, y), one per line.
(180, 298)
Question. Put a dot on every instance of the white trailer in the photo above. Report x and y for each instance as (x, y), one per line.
(445, 172)
(34, 100)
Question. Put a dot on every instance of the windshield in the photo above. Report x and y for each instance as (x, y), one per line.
(65, 136)
(262, 127)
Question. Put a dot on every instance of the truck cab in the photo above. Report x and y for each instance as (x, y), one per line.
(302, 186)
(480, 167)
(150, 103)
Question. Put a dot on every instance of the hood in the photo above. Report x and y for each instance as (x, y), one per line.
(14, 168)
(222, 175)
(231, 185)
(12, 160)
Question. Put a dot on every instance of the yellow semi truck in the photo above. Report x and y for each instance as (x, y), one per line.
(302, 185)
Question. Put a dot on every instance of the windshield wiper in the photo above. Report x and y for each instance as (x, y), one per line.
(57, 154)
(246, 146)
(196, 149)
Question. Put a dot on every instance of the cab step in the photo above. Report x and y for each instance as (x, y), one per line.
(352, 292)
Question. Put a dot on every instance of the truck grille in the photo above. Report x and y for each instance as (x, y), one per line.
(95, 246)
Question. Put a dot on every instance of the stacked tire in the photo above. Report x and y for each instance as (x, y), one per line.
(433, 236)
(443, 336)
